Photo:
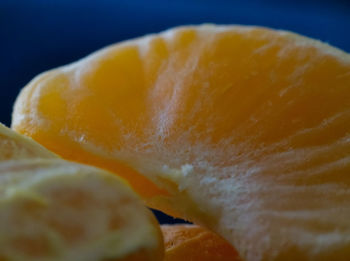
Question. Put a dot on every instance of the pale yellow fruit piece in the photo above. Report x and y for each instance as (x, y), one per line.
(17, 146)
(53, 210)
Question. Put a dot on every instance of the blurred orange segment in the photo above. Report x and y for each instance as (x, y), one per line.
(51, 209)
(56, 210)
(193, 243)
(16, 146)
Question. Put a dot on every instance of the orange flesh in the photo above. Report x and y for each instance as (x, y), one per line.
(145, 96)
(50, 208)
(193, 243)
(55, 210)
(261, 117)
(72, 151)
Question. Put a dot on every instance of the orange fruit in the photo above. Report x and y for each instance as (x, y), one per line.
(193, 243)
(244, 130)
(51, 209)
(16, 146)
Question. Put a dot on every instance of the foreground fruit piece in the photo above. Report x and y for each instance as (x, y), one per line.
(56, 210)
(193, 243)
(243, 130)
(16, 146)
(51, 209)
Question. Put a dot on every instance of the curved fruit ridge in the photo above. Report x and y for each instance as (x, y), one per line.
(51, 209)
(191, 242)
(242, 129)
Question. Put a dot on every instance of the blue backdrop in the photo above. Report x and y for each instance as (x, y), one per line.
(37, 35)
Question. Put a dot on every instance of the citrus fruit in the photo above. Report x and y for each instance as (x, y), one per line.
(16, 146)
(51, 209)
(193, 243)
(244, 130)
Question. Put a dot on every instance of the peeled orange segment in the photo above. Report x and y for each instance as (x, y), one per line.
(244, 130)
(191, 242)
(56, 210)
(51, 209)
(16, 146)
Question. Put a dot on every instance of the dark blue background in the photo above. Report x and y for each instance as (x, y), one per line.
(37, 35)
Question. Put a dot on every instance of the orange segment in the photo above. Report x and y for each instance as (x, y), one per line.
(193, 243)
(56, 210)
(245, 128)
(16, 146)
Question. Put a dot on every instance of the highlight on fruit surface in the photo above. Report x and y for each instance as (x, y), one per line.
(244, 130)
(51, 209)
(193, 243)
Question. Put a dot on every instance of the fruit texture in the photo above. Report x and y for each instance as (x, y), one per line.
(16, 146)
(244, 130)
(55, 210)
(193, 243)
